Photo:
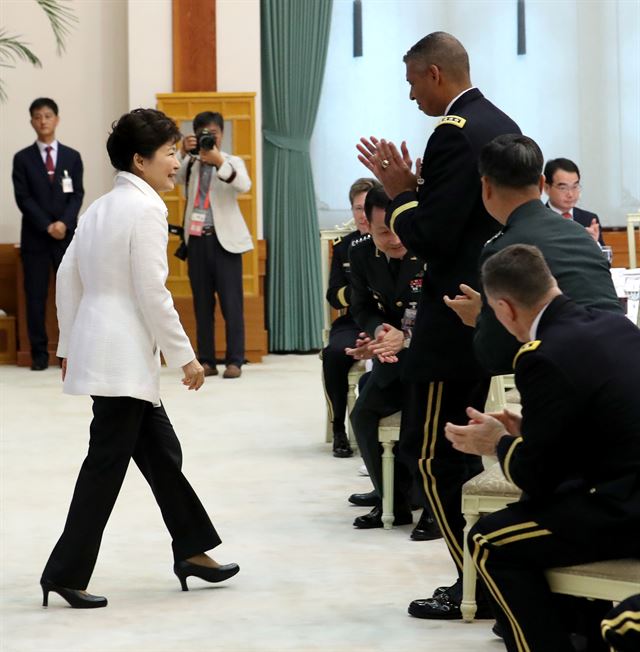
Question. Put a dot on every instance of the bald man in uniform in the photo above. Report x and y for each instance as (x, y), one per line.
(439, 215)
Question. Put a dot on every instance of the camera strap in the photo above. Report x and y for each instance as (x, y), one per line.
(186, 192)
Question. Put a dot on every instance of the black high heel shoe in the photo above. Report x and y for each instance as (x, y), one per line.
(184, 569)
(76, 599)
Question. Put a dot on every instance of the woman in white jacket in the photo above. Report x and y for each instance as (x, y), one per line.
(116, 316)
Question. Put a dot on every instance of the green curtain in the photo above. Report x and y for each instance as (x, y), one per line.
(295, 34)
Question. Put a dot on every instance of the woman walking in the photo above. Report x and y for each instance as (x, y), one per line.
(116, 316)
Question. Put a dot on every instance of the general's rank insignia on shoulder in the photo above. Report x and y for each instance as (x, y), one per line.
(526, 348)
(364, 238)
(454, 120)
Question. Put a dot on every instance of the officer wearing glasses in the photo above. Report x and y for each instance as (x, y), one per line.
(562, 186)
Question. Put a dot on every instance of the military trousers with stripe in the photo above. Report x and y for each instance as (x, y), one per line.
(511, 551)
(442, 469)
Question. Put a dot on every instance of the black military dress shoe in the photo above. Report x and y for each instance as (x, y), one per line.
(365, 500)
(341, 446)
(442, 607)
(426, 529)
(374, 519)
(39, 365)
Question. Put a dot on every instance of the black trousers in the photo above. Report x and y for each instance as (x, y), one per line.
(212, 269)
(36, 266)
(428, 407)
(373, 404)
(511, 552)
(123, 428)
(335, 368)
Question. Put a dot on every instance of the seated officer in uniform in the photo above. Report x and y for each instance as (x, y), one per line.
(511, 172)
(344, 331)
(621, 626)
(386, 282)
(575, 453)
(562, 186)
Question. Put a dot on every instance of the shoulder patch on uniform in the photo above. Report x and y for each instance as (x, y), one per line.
(526, 348)
(454, 120)
(366, 237)
(337, 240)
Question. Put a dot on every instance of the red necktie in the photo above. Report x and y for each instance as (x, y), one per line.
(51, 168)
(567, 216)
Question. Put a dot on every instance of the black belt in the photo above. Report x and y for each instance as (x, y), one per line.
(208, 230)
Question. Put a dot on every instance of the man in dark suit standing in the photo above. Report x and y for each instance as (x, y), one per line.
(575, 452)
(47, 182)
(438, 214)
(562, 186)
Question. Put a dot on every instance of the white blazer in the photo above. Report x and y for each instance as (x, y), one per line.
(231, 180)
(114, 312)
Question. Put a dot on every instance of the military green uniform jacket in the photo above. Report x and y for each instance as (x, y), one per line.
(576, 261)
(446, 224)
(578, 460)
(377, 297)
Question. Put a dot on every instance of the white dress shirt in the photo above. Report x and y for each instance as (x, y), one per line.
(43, 151)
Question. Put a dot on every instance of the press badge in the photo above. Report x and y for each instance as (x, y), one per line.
(67, 183)
(197, 222)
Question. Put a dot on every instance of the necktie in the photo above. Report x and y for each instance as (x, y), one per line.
(567, 215)
(51, 168)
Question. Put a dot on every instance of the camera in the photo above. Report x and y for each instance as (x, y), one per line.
(206, 141)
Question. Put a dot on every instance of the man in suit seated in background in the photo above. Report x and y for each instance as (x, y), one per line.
(562, 186)
(344, 330)
(386, 281)
(47, 182)
(575, 452)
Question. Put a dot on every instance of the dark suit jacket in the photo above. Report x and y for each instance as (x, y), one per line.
(42, 202)
(578, 460)
(581, 269)
(377, 298)
(446, 224)
(585, 218)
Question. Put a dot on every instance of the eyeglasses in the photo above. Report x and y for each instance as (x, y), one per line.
(565, 187)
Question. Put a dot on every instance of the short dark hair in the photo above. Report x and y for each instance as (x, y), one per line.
(556, 164)
(141, 131)
(42, 102)
(443, 50)
(519, 272)
(512, 161)
(364, 184)
(205, 118)
(376, 198)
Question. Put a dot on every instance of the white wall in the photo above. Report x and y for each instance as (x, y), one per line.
(576, 91)
(238, 65)
(89, 83)
(150, 60)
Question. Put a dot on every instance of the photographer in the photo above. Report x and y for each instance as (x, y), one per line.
(216, 237)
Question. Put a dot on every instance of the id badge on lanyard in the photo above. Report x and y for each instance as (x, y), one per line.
(198, 215)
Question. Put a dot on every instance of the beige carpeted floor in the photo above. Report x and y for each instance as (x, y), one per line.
(254, 451)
